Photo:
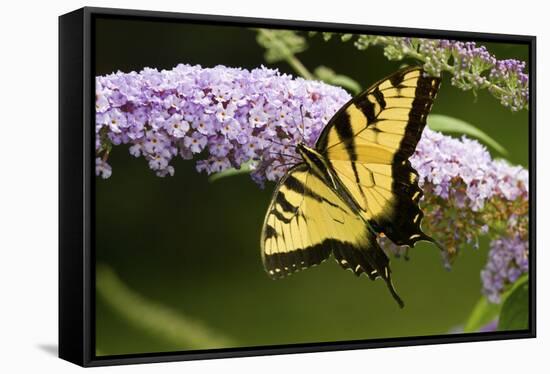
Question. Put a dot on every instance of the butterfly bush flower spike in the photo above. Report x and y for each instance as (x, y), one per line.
(472, 67)
(233, 115)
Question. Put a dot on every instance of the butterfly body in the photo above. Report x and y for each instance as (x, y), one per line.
(354, 185)
(317, 164)
(321, 167)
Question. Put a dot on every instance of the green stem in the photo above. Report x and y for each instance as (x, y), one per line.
(289, 57)
(299, 67)
(154, 318)
(106, 154)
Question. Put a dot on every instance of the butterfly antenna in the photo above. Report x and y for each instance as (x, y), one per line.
(281, 144)
(282, 165)
(284, 154)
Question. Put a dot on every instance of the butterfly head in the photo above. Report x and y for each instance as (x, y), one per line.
(306, 152)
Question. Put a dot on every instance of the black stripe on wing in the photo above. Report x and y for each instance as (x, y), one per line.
(425, 93)
(279, 265)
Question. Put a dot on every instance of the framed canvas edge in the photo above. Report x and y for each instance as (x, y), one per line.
(306, 25)
(532, 186)
(85, 281)
(71, 335)
(305, 348)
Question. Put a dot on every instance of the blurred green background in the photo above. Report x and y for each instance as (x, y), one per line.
(190, 248)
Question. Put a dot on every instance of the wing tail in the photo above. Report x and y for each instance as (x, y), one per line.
(396, 297)
(367, 257)
(381, 263)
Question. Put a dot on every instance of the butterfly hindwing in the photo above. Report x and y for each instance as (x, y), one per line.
(368, 143)
(307, 221)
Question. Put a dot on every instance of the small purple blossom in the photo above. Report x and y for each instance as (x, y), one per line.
(176, 126)
(196, 142)
(102, 168)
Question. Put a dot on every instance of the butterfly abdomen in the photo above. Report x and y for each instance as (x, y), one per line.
(316, 163)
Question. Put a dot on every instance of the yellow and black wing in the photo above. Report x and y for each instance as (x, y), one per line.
(306, 222)
(368, 143)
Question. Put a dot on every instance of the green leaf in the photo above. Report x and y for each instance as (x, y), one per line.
(329, 76)
(327, 36)
(517, 283)
(446, 124)
(280, 44)
(346, 37)
(156, 319)
(483, 313)
(245, 169)
(515, 309)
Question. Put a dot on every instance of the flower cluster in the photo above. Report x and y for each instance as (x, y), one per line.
(472, 67)
(511, 72)
(233, 115)
(508, 260)
(444, 163)
(237, 118)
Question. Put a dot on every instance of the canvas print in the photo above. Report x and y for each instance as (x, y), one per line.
(240, 170)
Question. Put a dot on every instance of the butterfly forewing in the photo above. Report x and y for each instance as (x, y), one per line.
(368, 143)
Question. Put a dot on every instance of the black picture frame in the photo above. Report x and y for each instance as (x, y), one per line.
(76, 187)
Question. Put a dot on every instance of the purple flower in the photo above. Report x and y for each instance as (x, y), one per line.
(203, 124)
(225, 112)
(258, 116)
(176, 126)
(102, 168)
(196, 142)
(102, 101)
(136, 149)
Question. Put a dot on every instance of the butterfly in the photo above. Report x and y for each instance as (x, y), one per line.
(355, 185)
